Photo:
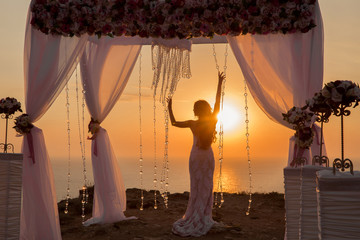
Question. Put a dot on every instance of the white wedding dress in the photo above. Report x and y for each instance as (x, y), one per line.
(197, 220)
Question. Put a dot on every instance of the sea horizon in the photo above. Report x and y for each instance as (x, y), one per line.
(266, 176)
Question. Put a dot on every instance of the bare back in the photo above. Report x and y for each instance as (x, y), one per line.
(204, 130)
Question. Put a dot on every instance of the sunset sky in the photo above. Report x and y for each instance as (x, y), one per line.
(268, 140)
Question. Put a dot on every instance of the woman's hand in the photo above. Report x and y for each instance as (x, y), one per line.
(221, 76)
(169, 101)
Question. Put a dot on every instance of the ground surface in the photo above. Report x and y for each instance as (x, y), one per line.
(266, 220)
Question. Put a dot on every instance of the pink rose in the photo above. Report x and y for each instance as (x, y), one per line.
(65, 28)
(244, 15)
(253, 10)
(106, 29)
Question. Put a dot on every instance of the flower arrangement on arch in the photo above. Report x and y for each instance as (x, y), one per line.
(171, 18)
(23, 124)
(301, 121)
(9, 106)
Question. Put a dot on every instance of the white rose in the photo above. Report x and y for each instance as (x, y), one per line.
(350, 92)
(345, 84)
(273, 26)
(292, 118)
(286, 24)
(356, 91)
(276, 12)
(257, 21)
(326, 93)
(207, 13)
(8, 104)
(353, 92)
(336, 96)
(260, 2)
(265, 10)
(310, 102)
(330, 84)
(236, 2)
(291, 5)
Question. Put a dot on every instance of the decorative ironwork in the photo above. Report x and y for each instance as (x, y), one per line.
(319, 159)
(342, 163)
(6, 146)
(322, 117)
(299, 161)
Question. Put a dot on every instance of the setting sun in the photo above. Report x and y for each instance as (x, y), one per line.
(230, 117)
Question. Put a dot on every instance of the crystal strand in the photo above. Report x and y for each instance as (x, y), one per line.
(222, 126)
(248, 148)
(69, 155)
(169, 65)
(84, 192)
(217, 68)
(155, 164)
(247, 129)
(84, 146)
(140, 140)
(221, 131)
(165, 169)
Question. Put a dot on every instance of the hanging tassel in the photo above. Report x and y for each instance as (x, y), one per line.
(169, 65)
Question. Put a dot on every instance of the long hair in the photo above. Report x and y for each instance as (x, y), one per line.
(206, 125)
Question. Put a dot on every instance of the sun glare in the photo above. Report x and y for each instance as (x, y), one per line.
(230, 117)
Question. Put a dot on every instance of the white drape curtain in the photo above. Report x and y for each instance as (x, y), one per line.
(48, 64)
(282, 71)
(105, 70)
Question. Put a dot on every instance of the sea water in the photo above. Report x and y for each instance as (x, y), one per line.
(267, 175)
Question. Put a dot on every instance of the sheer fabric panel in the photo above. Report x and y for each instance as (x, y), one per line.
(282, 71)
(48, 64)
(105, 70)
(39, 215)
(109, 191)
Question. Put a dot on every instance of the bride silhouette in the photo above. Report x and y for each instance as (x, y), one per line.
(197, 220)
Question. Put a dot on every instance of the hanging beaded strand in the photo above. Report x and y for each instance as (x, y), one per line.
(248, 147)
(84, 158)
(84, 190)
(140, 141)
(221, 131)
(155, 162)
(69, 152)
(247, 128)
(165, 167)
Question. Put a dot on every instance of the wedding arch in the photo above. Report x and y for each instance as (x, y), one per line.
(278, 45)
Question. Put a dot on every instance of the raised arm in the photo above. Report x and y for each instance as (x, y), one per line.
(218, 93)
(184, 124)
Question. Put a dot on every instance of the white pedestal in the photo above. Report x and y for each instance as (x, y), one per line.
(338, 205)
(10, 195)
(309, 229)
(292, 186)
